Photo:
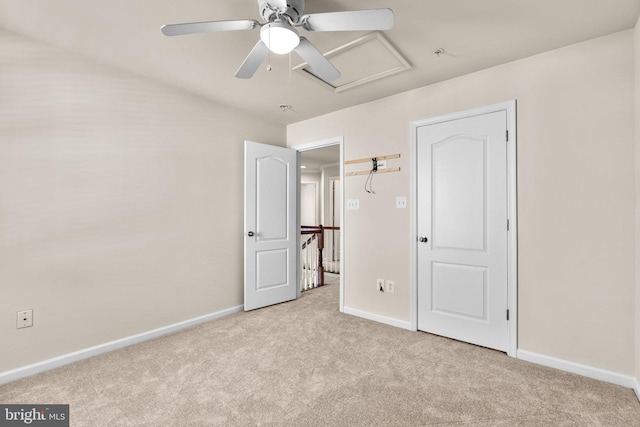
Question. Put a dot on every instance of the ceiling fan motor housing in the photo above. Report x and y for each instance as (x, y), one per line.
(294, 10)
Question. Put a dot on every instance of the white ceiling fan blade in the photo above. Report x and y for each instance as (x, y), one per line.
(358, 20)
(253, 61)
(208, 27)
(320, 66)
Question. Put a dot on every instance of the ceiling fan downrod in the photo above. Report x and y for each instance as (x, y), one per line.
(275, 9)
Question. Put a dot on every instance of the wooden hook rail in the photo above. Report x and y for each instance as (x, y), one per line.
(382, 170)
(370, 159)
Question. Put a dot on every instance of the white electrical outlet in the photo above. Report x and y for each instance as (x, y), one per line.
(24, 319)
(390, 286)
(380, 285)
(401, 202)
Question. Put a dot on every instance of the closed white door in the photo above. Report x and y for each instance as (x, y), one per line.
(462, 245)
(308, 204)
(271, 225)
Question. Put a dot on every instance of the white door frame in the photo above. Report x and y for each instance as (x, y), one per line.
(512, 214)
(339, 140)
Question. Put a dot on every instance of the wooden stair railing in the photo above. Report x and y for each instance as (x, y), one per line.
(315, 233)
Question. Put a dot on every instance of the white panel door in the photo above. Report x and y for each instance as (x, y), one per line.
(271, 228)
(462, 229)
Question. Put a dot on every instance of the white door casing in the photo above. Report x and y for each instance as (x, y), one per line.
(271, 226)
(462, 187)
(334, 208)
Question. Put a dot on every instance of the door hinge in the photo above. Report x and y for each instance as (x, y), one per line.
(507, 134)
(507, 314)
(507, 225)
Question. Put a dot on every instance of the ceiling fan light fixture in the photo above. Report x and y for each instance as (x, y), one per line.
(280, 37)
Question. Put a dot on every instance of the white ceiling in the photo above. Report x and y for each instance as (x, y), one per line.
(476, 34)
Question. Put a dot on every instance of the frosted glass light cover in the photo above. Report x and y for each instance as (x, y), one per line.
(279, 37)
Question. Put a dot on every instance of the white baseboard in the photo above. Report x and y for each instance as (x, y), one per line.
(66, 359)
(636, 387)
(377, 318)
(584, 370)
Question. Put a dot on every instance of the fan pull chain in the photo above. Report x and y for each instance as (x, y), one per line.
(288, 92)
(269, 57)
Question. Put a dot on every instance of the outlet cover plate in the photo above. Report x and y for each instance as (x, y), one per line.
(390, 286)
(24, 319)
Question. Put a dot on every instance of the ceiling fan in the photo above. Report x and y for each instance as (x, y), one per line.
(279, 35)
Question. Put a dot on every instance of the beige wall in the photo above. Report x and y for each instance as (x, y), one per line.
(121, 202)
(575, 186)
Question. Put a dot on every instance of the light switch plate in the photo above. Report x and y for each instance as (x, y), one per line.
(401, 202)
(353, 204)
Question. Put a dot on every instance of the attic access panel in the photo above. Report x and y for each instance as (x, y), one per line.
(373, 49)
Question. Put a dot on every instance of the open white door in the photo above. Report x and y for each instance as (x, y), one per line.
(271, 227)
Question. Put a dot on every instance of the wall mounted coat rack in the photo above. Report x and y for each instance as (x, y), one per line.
(374, 161)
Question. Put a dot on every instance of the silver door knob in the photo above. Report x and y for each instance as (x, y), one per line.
(251, 234)
(423, 239)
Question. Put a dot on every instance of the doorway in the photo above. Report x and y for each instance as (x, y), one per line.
(464, 223)
(322, 162)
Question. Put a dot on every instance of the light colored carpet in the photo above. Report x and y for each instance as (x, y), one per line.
(305, 364)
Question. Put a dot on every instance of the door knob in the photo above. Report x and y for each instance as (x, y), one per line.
(251, 234)
(423, 239)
